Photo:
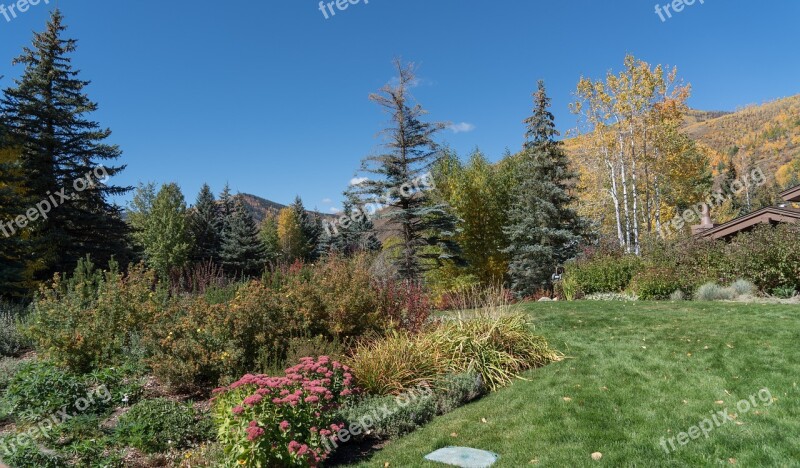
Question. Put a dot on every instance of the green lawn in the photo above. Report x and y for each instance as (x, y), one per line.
(634, 373)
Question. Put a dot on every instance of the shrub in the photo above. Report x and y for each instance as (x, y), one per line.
(603, 273)
(714, 292)
(28, 454)
(657, 282)
(8, 369)
(784, 292)
(457, 390)
(193, 343)
(405, 304)
(677, 296)
(12, 341)
(499, 350)
(388, 366)
(282, 421)
(161, 424)
(620, 297)
(87, 321)
(370, 414)
(744, 288)
(41, 388)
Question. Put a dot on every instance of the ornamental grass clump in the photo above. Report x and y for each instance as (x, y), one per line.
(390, 365)
(283, 421)
(497, 349)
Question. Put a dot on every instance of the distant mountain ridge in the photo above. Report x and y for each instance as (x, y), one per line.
(260, 208)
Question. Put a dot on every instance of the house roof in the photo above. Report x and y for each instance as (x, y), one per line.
(769, 215)
(791, 195)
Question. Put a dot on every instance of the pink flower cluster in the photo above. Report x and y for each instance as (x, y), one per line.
(284, 414)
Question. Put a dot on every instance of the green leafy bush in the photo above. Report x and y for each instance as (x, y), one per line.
(784, 292)
(282, 421)
(161, 424)
(603, 273)
(657, 283)
(41, 388)
(8, 369)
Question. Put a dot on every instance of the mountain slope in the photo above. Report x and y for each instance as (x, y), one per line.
(767, 134)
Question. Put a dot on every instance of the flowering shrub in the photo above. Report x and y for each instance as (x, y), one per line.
(195, 343)
(283, 421)
(88, 321)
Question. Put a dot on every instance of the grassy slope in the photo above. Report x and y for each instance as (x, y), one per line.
(635, 373)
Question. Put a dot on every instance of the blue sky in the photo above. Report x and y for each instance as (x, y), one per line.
(273, 98)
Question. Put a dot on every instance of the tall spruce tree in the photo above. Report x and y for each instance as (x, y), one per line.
(544, 231)
(62, 152)
(206, 227)
(311, 229)
(423, 228)
(12, 204)
(227, 206)
(242, 250)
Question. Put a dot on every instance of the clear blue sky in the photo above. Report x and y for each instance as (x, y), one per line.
(272, 97)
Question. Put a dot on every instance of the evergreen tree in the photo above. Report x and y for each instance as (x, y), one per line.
(226, 208)
(423, 228)
(242, 250)
(729, 185)
(544, 231)
(206, 227)
(161, 227)
(64, 153)
(12, 244)
(358, 235)
(310, 228)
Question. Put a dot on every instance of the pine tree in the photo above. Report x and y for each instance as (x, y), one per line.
(206, 227)
(64, 153)
(242, 250)
(424, 229)
(544, 231)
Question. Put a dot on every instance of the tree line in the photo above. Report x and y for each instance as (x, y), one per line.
(512, 222)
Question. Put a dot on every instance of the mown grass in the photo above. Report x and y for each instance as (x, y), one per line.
(634, 373)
